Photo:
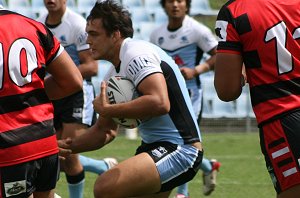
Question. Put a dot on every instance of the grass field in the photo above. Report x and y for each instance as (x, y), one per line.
(242, 175)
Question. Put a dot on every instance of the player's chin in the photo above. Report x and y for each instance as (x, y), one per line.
(96, 55)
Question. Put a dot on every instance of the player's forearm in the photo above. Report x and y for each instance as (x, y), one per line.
(97, 136)
(55, 91)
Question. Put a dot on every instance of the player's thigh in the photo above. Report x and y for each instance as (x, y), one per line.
(290, 193)
(47, 194)
(280, 146)
(135, 176)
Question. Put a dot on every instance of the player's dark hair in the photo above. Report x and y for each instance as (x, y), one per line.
(188, 4)
(114, 17)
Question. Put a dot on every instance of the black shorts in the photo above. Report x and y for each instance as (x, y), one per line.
(280, 144)
(77, 108)
(21, 180)
(176, 164)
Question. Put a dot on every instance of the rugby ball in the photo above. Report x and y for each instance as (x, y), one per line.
(120, 90)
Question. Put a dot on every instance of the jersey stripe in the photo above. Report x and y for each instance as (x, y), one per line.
(29, 151)
(23, 101)
(179, 112)
(26, 134)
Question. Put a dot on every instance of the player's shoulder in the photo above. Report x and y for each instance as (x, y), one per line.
(71, 16)
(192, 24)
(134, 46)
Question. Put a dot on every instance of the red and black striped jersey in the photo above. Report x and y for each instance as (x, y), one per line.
(26, 113)
(266, 34)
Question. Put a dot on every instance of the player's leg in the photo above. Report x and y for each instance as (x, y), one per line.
(210, 167)
(280, 145)
(135, 176)
(46, 177)
(97, 166)
(71, 165)
(151, 171)
(182, 191)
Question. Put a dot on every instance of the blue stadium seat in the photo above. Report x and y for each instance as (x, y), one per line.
(202, 7)
(38, 7)
(243, 104)
(145, 29)
(84, 6)
(18, 4)
(3, 3)
(160, 16)
(152, 5)
(103, 67)
(221, 109)
(128, 4)
(71, 4)
(139, 14)
(27, 12)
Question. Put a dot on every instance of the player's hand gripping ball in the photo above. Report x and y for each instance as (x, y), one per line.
(120, 90)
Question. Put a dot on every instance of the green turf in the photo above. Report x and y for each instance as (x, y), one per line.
(242, 175)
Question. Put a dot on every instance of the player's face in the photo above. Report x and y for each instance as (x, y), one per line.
(101, 44)
(176, 8)
(54, 5)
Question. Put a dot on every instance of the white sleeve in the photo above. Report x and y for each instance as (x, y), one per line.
(206, 39)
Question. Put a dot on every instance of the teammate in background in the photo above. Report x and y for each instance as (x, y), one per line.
(269, 46)
(75, 113)
(29, 164)
(185, 39)
(171, 152)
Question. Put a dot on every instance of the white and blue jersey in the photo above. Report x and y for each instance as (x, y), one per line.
(140, 59)
(185, 45)
(72, 35)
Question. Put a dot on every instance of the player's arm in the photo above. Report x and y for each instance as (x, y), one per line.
(204, 67)
(88, 66)
(229, 79)
(101, 133)
(154, 100)
(65, 78)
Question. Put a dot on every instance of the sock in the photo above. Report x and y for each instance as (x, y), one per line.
(92, 165)
(76, 185)
(206, 166)
(183, 189)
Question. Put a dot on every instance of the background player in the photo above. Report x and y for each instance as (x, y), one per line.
(268, 45)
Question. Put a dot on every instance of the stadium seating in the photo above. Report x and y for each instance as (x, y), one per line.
(71, 4)
(160, 16)
(103, 67)
(84, 6)
(202, 7)
(243, 104)
(3, 2)
(38, 7)
(139, 14)
(18, 4)
(152, 5)
(132, 3)
(145, 29)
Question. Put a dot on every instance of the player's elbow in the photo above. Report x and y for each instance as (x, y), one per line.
(163, 107)
(228, 95)
(77, 84)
